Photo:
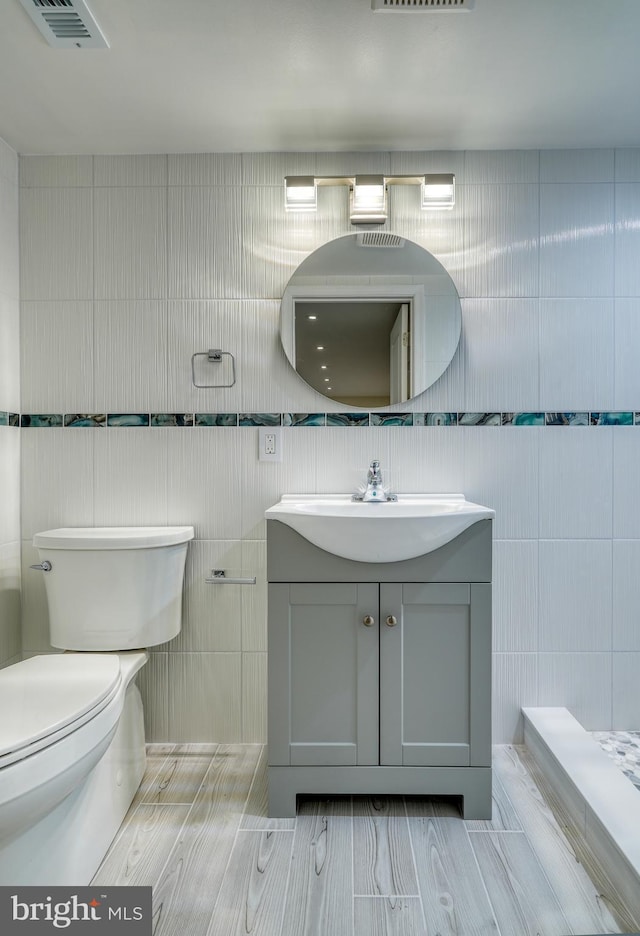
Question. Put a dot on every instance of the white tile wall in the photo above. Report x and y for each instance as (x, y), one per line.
(575, 595)
(591, 165)
(627, 165)
(9, 353)
(501, 469)
(515, 678)
(10, 577)
(130, 476)
(56, 243)
(213, 681)
(576, 482)
(501, 354)
(10, 574)
(9, 266)
(8, 163)
(581, 682)
(57, 479)
(424, 459)
(130, 230)
(501, 240)
(130, 264)
(9, 485)
(576, 240)
(576, 354)
(205, 169)
(489, 166)
(130, 170)
(627, 197)
(627, 340)
(626, 497)
(212, 613)
(626, 595)
(515, 596)
(57, 340)
(56, 172)
(130, 357)
(626, 690)
(204, 486)
(205, 259)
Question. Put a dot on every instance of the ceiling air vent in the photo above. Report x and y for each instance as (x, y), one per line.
(379, 239)
(423, 5)
(66, 24)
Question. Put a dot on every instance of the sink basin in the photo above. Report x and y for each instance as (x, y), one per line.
(413, 525)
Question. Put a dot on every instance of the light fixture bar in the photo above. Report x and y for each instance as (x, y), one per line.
(439, 191)
(368, 202)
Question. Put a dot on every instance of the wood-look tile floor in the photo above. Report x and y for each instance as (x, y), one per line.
(350, 866)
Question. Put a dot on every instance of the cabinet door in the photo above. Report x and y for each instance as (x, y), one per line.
(435, 674)
(323, 674)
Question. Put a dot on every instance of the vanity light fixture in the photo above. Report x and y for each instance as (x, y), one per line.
(368, 200)
(300, 193)
(439, 191)
(368, 193)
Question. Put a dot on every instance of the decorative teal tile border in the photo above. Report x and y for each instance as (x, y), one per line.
(347, 419)
(480, 419)
(127, 419)
(216, 419)
(435, 419)
(612, 419)
(304, 419)
(523, 419)
(391, 419)
(85, 420)
(172, 419)
(293, 420)
(567, 419)
(41, 420)
(259, 419)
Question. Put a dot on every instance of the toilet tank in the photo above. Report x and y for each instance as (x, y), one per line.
(113, 588)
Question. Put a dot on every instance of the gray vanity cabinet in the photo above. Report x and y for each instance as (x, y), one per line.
(324, 705)
(435, 674)
(379, 683)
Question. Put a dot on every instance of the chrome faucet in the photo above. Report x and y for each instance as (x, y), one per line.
(375, 490)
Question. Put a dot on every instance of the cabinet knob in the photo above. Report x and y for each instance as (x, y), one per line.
(391, 621)
(368, 620)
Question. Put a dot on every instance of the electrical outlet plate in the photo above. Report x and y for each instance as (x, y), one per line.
(269, 443)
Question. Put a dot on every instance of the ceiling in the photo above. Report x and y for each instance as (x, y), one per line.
(276, 75)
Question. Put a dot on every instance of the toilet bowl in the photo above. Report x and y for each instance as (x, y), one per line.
(72, 746)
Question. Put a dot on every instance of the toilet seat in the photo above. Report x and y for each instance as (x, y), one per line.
(46, 698)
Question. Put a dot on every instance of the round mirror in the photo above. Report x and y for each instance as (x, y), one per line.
(370, 319)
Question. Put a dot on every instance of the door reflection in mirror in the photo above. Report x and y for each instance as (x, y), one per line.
(353, 351)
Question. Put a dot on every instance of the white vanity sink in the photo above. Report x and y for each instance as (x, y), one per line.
(413, 525)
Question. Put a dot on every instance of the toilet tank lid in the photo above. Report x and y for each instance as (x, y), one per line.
(113, 537)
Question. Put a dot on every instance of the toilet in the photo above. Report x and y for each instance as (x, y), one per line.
(72, 744)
